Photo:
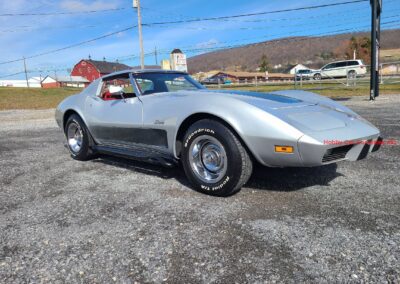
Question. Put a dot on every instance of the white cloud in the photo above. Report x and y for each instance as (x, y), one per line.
(79, 5)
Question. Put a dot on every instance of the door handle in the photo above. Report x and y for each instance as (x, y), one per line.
(95, 98)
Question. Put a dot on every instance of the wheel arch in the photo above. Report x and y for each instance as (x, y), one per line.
(66, 115)
(190, 120)
(70, 112)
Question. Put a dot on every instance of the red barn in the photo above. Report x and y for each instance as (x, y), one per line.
(93, 69)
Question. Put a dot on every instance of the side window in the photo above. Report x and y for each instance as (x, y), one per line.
(146, 86)
(341, 64)
(329, 66)
(352, 63)
(117, 88)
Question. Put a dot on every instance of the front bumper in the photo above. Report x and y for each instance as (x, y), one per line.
(336, 150)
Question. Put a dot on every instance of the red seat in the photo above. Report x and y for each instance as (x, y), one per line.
(108, 97)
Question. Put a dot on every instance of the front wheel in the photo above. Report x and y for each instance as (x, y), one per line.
(317, 77)
(214, 159)
(78, 138)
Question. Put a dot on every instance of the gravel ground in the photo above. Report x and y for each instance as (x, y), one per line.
(118, 221)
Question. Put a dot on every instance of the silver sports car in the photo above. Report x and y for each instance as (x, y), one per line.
(166, 117)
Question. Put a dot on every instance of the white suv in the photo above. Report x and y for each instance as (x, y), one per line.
(347, 68)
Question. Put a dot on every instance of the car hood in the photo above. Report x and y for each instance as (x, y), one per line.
(304, 110)
(266, 100)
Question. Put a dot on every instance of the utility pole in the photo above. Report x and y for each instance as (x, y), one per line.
(136, 4)
(26, 73)
(155, 55)
(376, 7)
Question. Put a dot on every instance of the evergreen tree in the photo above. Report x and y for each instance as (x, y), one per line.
(264, 65)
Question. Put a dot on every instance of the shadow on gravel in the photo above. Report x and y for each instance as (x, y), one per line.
(263, 178)
(145, 168)
(291, 179)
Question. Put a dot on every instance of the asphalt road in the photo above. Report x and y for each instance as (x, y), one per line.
(113, 220)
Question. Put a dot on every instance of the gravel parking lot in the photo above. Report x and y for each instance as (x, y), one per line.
(113, 220)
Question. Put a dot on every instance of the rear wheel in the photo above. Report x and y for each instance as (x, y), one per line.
(214, 159)
(78, 139)
(352, 74)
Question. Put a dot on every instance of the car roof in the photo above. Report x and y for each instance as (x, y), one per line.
(144, 71)
(358, 60)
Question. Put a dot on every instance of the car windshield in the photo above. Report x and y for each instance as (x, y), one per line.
(152, 83)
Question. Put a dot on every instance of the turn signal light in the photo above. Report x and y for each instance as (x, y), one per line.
(284, 149)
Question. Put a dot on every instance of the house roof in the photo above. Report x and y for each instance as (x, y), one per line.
(242, 73)
(105, 67)
(176, 50)
(290, 67)
(254, 74)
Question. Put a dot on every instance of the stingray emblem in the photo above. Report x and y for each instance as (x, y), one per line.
(159, 122)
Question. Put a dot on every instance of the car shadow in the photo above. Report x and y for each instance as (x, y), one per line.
(291, 179)
(263, 178)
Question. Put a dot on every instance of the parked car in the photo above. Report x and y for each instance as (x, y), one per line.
(304, 74)
(166, 117)
(213, 81)
(341, 69)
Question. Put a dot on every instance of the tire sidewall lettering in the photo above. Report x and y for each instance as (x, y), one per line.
(198, 131)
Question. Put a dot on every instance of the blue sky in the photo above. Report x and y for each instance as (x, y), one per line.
(30, 35)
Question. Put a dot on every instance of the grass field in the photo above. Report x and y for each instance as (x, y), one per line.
(24, 98)
(390, 54)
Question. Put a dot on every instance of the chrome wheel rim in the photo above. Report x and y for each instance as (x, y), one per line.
(208, 159)
(75, 137)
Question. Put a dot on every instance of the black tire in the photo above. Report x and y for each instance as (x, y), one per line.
(352, 74)
(238, 165)
(84, 152)
(317, 77)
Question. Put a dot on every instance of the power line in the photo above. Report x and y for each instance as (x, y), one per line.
(62, 13)
(189, 49)
(257, 14)
(10, 75)
(69, 46)
(186, 21)
(27, 28)
(193, 49)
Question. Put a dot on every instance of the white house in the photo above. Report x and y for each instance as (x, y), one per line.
(294, 69)
(65, 81)
(34, 82)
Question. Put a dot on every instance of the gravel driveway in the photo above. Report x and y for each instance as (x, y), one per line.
(113, 220)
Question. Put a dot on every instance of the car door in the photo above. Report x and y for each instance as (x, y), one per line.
(115, 118)
(341, 69)
(327, 71)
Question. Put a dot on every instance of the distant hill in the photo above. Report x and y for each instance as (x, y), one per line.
(311, 51)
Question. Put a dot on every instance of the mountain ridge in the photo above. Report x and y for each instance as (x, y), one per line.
(312, 51)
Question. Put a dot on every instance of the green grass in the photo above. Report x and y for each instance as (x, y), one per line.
(24, 98)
